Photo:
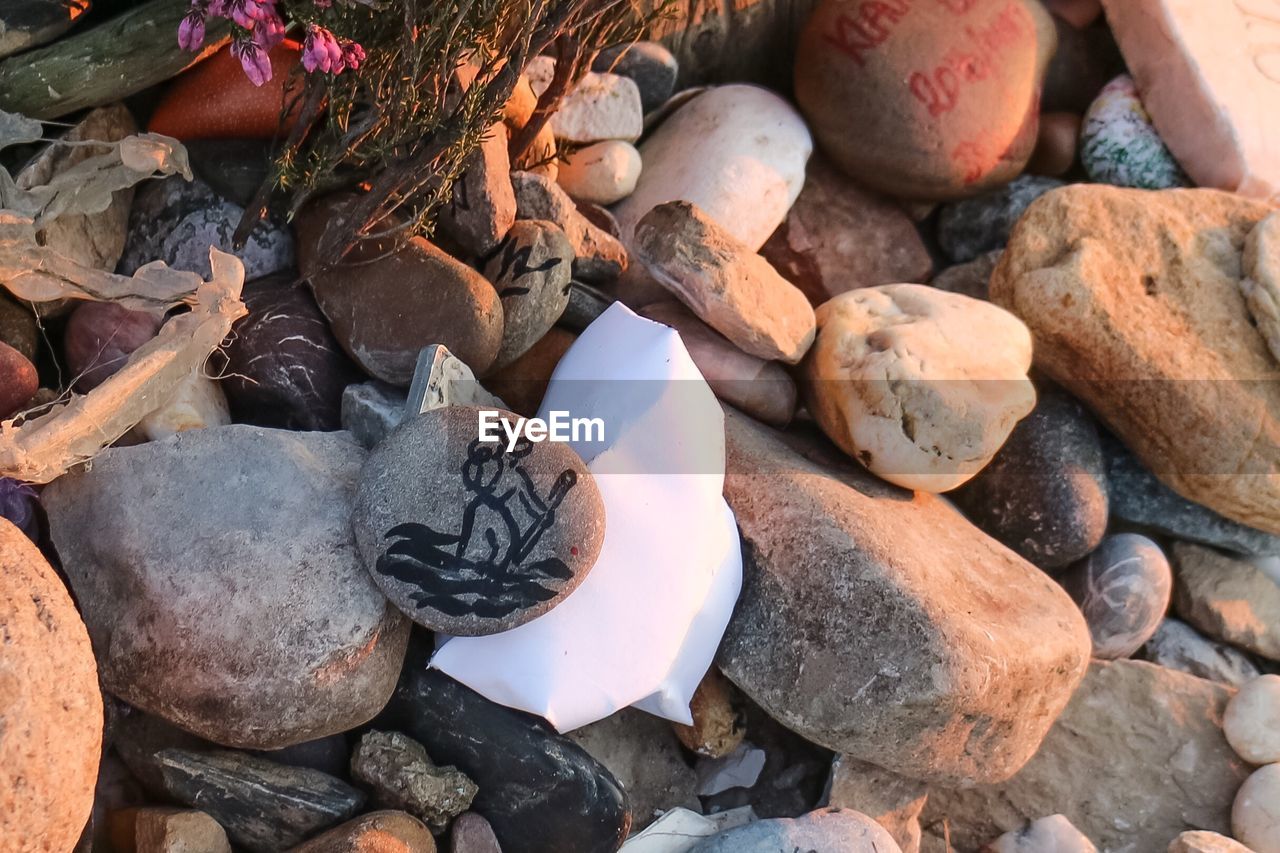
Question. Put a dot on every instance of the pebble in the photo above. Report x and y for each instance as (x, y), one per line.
(220, 580)
(1232, 599)
(724, 282)
(879, 650)
(838, 237)
(1044, 494)
(167, 830)
(919, 385)
(1119, 145)
(51, 715)
(483, 204)
(827, 830)
(738, 152)
(176, 221)
(400, 775)
(974, 226)
(375, 832)
(196, 403)
(1253, 815)
(471, 833)
(37, 22)
(371, 410)
(538, 789)
(648, 64)
(1052, 834)
(892, 801)
(1252, 721)
(586, 304)
(1083, 63)
(100, 337)
(384, 311)
(263, 806)
(531, 270)
(19, 381)
(469, 538)
(18, 327)
(601, 173)
(1055, 152)
(931, 100)
(19, 505)
(969, 279)
(1123, 589)
(1201, 841)
(284, 367)
(719, 725)
(597, 254)
(1177, 645)
(233, 168)
(523, 383)
(599, 106)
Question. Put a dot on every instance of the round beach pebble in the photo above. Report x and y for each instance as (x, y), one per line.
(1255, 820)
(100, 338)
(1120, 146)
(468, 537)
(650, 66)
(925, 100)
(196, 403)
(531, 270)
(1052, 834)
(1056, 145)
(1252, 721)
(18, 381)
(1123, 588)
(602, 173)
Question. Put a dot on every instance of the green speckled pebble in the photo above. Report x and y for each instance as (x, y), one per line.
(1119, 145)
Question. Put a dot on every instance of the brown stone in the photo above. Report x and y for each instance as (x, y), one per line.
(1227, 597)
(1133, 299)
(376, 832)
(18, 327)
(18, 380)
(890, 800)
(523, 382)
(719, 724)
(1056, 145)
(482, 206)
(838, 236)
(163, 830)
(598, 255)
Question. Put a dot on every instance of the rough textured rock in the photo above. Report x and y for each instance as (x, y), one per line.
(972, 227)
(51, 713)
(598, 106)
(937, 652)
(597, 254)
(1123, 589)
(1177, 645)
(1044, 494)
(401, 776)
(838, 236)
(890, 800)
(1229, 598)
(1136, 758)
(221, 584)
(719, 724)
(1118, 145)
(1133, 299)
(919, 385)
(1200, 841)
(1261, 284)
(531, 271)
(1052, 834)
(601, 173)
(483, 205)
(648, 64)
(1253, 815)
(830, 831)
(375, 832)
(724, 282)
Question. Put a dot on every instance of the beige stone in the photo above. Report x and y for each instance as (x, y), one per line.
(601, 173)
(1052, 834)
(1200, 841)
(892, 801)
(1227, 597)
(719, 724)
(160, 830)
(196, 403)
(1133, 299)
(1252, 720)
(1261, 284)
(375, 832)
(919, 385)
(1255, 820)
(1136, 758)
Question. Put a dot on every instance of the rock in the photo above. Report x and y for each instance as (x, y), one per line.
(838, 237)
(762, 389)
(523, 383)
(972, 227)
(1130, 294)
(738, 152)
(1252, 720)
(374, 832)
(1052, 834)
(384, 307)
(221, 585)
(1056, 144)
(648, 64)
(264, 807)
(18, 381)
(1177, 645)
(1261, 285)
(328, 754)
(19, 505)
(1119, 146)
(586, 303)
(176, 221)
(18, 328)
(1086, 58)
(890, 800)
(31, 24)
(441, 380)
(969, 279)
(912, 658)
(472, 834)
(538, 789)
(100, 337)
(1141, 500)
(1253, 816)
(1199, 841)
(919, 385)
(718, 722)
(531, 272)
(196, 403)
(284, 367)
(51, 715)
(1229, 598)
(371, 410)
(471, 538)
(166, 830)
(233, 168)
(1123, 589)
(1044, 494)
(1136, 758)
(598, 256)
(920, 100)
(1206, 79)
(1078, 13)
(401, 776)
(483, 204)
(598, 106)
(828, 830)
(729, 287)
(603, 172)
(539, 157)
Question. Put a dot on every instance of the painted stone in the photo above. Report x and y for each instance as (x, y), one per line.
(470, 538)
(531, 271)
(1119, 145)
(1123, 589)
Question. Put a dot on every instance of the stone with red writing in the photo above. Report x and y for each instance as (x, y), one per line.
(925, 98)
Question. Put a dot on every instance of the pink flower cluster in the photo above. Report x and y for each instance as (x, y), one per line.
(262, 28)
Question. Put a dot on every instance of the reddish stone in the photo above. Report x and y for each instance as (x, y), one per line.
(18, 380)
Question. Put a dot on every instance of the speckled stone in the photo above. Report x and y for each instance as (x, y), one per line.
(397, 770)
(969, 228)
(1123, 588)
(1119, 145)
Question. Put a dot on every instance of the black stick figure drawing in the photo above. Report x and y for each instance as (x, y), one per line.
(481, 570)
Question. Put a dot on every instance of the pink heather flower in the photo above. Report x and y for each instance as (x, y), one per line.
(323, 4)
(269, 32)
(253, 59)
(352, 55)
(320, 51)
(218, 8)
(191, 30)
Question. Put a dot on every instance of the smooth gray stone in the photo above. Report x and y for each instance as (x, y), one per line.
(1177, 645)
(25, 24)
(1123, 588)
(650, 66)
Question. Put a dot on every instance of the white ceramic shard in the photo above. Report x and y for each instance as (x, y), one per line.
(644, 626)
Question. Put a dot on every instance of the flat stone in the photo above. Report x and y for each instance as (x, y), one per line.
(1136, 758)
(374, 832)
(222, 587)
(397, 770)
(1253, 815)
(648, 64)
(601, 173)
(970, 228)
(1252, 720)
(441, 379)
(1200, 841)
(1232, 599)
(531, 270)
(828, 830)
(35, 22)
(1177, 645)
(483, 204)
(597, 254)
(913, 657)
(1053, 833)
(1123, 589)
(468, 538)
(1119, 146)
(890, 800)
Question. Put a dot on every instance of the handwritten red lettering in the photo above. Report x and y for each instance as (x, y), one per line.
(958, 6)
(867, 28)
(939, 89)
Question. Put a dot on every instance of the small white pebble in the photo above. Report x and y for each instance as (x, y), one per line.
(1252, 721)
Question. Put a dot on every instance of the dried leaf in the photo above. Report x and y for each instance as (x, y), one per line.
(17, 129)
